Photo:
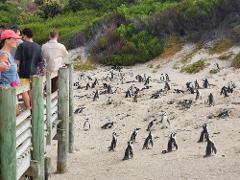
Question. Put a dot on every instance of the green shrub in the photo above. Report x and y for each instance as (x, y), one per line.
(194, 68)
(8, 14)
(51, 8)
(236, 61)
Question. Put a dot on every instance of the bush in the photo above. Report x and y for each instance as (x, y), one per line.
(8, 14)
(195, 67)
(51, 8)
(236, 61)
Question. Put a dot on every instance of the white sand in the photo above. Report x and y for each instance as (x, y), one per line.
(92, 161)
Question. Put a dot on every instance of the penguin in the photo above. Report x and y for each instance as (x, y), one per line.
(223, 114)
(198, 95)
(79, 110)
(128, 94)
(108, 125)
(150, 125)
(196, 84)
(167, 86)
(210, 100)
(206, 83)
(109, 89)
(162, 78)
(224, 91)
(86, 125)
(134, 135)
(178, 91)
(167, 78)
(210, 148)
(128, 152)
(171, 144)
(87, 86)
(113, 143)
(95, 83)
(147, 81)
(188, 86)
(204, 133)
(96, 96)
(148, 141)
(164, 120)
(191, 89)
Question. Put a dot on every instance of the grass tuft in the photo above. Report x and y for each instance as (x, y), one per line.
(195, 67)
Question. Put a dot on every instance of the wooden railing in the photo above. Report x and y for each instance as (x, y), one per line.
(23, 138)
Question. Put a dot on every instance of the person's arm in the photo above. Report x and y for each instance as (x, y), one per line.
(18, 54)
(65, 55)
(4, 66)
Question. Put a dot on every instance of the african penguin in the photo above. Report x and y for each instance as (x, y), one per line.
(114, 142)
(204, 133)
(129, 151)
(148, 141)
(171, 144)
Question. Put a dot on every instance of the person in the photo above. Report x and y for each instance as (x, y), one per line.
(55, 55)
(16, 29)
(8, 76)
(28, 57)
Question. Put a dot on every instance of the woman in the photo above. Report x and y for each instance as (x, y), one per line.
(10, 77)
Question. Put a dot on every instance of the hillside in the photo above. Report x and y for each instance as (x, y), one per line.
(126, 32)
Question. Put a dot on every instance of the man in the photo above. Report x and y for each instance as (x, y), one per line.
(55, 55)
(28, 56)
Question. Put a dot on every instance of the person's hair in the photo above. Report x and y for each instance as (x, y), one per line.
(2, 42)
(27, 32)
(53, 33)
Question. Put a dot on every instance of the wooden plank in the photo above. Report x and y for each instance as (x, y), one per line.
(23, 164)
(54, 95)
(71, 110)
(23, 148)
(24, 115)
(54, 74)
(54, 103)
(24, 136)
(63, 127)
(23, 88)
(48, 109)
(23, 127)
(54, 110)
(7, 134)
(54, 118)
(38, 124)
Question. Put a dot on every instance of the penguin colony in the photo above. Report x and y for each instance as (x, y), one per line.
(133, 92)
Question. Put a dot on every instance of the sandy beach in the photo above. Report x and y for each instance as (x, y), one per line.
(91, 159)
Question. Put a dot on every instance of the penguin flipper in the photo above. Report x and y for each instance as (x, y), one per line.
(214, 149)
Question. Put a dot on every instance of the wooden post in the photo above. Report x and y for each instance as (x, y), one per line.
(71, 114)
(38, 124)
(48, 108)
(8, 134)
(63, 127)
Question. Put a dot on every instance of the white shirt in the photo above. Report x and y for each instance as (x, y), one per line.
(55, 55)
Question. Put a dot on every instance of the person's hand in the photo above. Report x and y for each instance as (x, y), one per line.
(4, 66)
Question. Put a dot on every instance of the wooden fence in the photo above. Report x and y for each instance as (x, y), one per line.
(23, 138)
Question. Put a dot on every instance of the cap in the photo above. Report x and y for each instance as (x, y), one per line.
(9, 34)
